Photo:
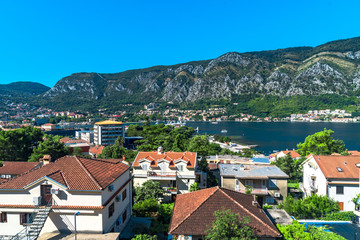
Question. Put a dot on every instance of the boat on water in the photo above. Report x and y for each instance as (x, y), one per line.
(214, 122)
(224, 131)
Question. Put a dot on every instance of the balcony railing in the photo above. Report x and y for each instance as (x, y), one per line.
(158, 175)
(256, 191)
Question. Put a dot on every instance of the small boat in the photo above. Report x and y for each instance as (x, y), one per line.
(214, 122)
(224, 131)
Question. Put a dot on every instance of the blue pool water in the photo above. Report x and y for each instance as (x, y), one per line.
(347, 230)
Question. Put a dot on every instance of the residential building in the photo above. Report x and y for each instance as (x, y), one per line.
(87, 135)
(281, 154)
(174, 170)
(96, 150)
(267, 182)
(334, 176)
(98, 190)
(48, 127)
(106, 132)
(194, 213)
(77, 143)
(13, 169)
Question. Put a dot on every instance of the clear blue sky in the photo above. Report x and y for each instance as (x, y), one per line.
(44, 41)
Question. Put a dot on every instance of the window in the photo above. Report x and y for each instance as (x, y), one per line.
(237, 185)
(180, 168)
(272, 183)
(339, 189)
(269, 199)
(3, 217)
(124, 195)
(144, 167)
(25, 218)
(124, 216)
(111, 210)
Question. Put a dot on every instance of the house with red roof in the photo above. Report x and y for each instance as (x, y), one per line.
(97, 191)
(174, 170)
(281, 154)
(335, 176)
(13, 169)
(194, 213)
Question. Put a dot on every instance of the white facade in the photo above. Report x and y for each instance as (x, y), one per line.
(92, 205)
(179, 177)
(106, 134)
(341, 190)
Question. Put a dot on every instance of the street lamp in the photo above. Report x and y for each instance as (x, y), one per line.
(76, 214)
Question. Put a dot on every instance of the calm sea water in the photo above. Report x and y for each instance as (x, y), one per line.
(270, 136)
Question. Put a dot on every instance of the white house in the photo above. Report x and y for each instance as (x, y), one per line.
(49, 196)
(334, 176)
(175, 171)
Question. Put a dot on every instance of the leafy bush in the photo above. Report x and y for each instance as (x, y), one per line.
(266, 206)
(146, 207)
(313, 207)
(297, 231)
(149, 189)
(144, 237)
(165, 212)
(339, 216)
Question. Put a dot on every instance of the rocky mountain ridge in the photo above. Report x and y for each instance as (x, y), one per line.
(332, 68)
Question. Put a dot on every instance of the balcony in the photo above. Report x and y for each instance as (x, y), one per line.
(255, 191)
(160, 175)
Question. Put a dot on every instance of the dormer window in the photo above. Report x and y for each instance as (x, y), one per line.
(339, 169)
(180, 168)
(145, 167)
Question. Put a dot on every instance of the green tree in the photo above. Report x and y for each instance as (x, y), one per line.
(290, 166)
(50, 146)
(144, 237)
(165, 212)
(18, 144)
(321, 143)
(229, 226)
(149, 189)
(77, 152)
(194, 187)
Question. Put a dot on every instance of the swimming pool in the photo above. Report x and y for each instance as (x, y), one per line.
(344, 228)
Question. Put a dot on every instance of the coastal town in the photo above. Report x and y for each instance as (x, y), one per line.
(133, 180)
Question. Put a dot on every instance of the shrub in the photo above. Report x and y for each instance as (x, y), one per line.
(146, 207)
(339, 216)
(313, 207)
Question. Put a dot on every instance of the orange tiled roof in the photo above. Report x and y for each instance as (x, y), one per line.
(354, 153)
(293, 153)
(329, 165)
(154, 157)
(97, 150)
(65, 139)
(17, 168)
(196, 217)
(74, 173)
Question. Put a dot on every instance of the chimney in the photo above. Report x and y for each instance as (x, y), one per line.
(254, 202)
(160, 150)
(123, 157)
(46, 159)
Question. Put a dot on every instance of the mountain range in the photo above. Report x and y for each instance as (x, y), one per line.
(329, 69)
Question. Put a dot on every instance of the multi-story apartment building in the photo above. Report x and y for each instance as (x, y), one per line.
(106, 132)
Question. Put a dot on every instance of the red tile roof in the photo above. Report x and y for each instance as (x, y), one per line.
(329, 165)
(97, 150)
(154, 157)
(194, 212)
(293, 153)
(74, 173)
(17, 168)
(354, 153)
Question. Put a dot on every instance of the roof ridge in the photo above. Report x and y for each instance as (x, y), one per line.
(191, 213)
(236, 202)
(87, 172)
